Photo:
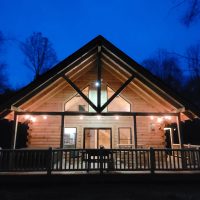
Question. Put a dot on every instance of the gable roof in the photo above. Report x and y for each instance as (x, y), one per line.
(116, 56)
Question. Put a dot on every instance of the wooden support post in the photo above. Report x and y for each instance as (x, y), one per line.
(179, 131)
(14, 131)
(62, 130)
(49, 161)
(179, 128)
(135, 130)
(99, 78)
(101, 159)
(152, 160)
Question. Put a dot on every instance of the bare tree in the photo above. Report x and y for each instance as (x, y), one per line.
(192, 11)
(192, 88)
(3, 77)
(166, 67)
(39, 53)
(193, 55)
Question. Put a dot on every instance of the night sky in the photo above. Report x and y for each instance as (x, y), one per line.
(137, 27)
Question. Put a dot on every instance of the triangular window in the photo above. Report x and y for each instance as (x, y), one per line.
(118, 104)
(77, 103)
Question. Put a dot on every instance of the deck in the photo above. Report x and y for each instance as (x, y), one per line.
(69, 161)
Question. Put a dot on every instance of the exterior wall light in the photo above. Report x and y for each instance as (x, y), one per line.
(98, 117)
(117, 117)
(97, 84)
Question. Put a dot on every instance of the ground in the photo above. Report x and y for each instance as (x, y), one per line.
(98, 188)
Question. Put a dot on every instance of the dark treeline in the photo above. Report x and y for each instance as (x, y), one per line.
(179, 72)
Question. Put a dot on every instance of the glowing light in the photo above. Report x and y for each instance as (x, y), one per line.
(117, 117)
(98, 117)
(168, 117)
(160, 119)
(151, 117)
(81, 117)
(33, 119)
(97, 84)
(27, 116)
(44, 117)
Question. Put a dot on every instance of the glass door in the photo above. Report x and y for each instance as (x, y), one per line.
(97, 137)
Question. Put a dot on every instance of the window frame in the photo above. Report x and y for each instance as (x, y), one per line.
(75, 136)
(130, 134)
(70, 98)
(107, 86)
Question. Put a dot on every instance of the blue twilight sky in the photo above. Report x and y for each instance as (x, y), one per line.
(137, 27)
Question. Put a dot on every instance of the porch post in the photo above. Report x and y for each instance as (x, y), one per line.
(62, 130)
(135, 130)
(14, 131)
(99, 78)
(178, 119)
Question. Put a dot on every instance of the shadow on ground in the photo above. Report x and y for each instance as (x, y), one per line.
(98, 189)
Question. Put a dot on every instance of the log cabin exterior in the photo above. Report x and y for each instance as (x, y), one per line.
(96, 97)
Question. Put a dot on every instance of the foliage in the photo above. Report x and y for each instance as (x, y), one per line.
(166, 67)
(39, 53)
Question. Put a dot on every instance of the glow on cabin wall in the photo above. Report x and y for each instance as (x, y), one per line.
(118, 104)
(112, 123)
(150, 132)
(77, 103)
(93, 95)
(44, 130)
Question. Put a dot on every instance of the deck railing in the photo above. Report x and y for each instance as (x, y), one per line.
(130, 160)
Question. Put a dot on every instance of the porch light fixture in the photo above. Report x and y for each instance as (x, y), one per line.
(33, 119)
(27, 116)
(151, 117)
(168, 117)
(98, 117)
(117, 117)
(81, 117)
(97, 84)
(44, 117)
(160, 119)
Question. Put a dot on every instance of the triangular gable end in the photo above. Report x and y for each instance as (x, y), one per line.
(100, 54)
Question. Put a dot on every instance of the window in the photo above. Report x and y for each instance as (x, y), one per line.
(118, 103)
(125, 136)
(82, 108)
(77, 103)
(69, 138)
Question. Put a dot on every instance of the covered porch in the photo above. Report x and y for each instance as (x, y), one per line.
(117, 130)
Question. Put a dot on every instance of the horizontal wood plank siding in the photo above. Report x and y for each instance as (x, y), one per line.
(45, 133)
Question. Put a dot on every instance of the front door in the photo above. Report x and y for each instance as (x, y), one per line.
(96, 137)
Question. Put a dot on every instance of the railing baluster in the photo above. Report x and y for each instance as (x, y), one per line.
(166, 156)
(110, 159)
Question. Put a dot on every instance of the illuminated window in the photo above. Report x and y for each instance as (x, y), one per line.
(69, 138)
(77, 103)
(118, 103)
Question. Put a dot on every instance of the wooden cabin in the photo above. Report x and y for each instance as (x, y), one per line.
(98, 96)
